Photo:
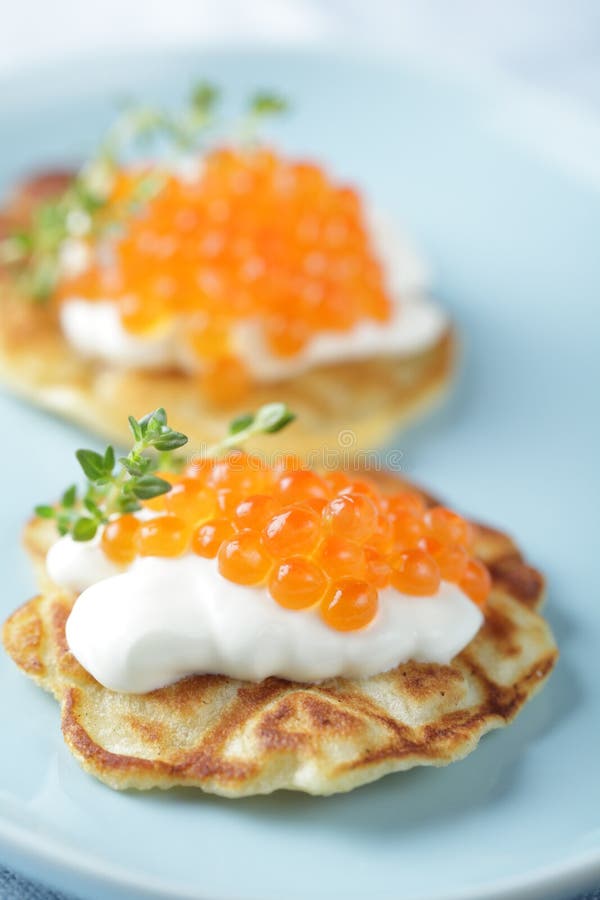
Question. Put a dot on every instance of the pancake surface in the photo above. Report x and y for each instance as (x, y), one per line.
(238, 738)
(371, 397)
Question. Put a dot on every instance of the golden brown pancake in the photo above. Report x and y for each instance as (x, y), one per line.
(371, 398)
(238, 738)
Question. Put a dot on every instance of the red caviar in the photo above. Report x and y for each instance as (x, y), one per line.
(119, 539)
(207, 538)
(476, 582)
(191, 501)
(300, 485)
(296, 529)
(244, 559)
(339, 557)
(255, 511)
(163, 536)
(256, 236)
(408, 528)
(297, 583)
(448, 527)
(349, 605)
(379, 571)
(329, 541)
(352, 515)
(415, 572)
(452, 559)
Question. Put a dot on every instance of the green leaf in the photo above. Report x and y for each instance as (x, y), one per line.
(109, 459)
(43, 277)
(134, 467)
(149, 486)
(204, 97)
(285, 419)
(240, 423)
(266, 103)
(84, 529)
(128, 505)
(135, 427)
(171, 440)
(153, 422)
(69, 497)
(273, 417)
(92, 464)
(89, 199)
(93, 508)
(45, 512)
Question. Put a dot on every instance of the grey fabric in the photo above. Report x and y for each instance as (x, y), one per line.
(13, 887)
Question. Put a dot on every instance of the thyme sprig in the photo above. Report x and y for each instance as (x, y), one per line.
(269, 419)
(66, 227)
(116, 486)
(113, 488)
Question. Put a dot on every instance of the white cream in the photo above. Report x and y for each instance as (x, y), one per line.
(94, 329)
(163, 619)
(75, 565)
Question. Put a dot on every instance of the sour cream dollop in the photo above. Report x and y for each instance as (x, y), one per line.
(94, 328)
(162, 619)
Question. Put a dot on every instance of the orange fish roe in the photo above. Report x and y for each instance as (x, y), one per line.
(119, 539)
(407, 501)
(476, 582)
(325, 543)
(163, 536)
(408, 528)
(296, 529)
(337, 482)
(352, 515)
(258, 237)
(243, 558)
(190, 501)
(447, 526)
(452, 559)
(350, 604)
(300, 485)
(415, 572)
(240, 472)
(255, 512)
(297, 583)
(207, 539)
(379, 571)
(339, 557)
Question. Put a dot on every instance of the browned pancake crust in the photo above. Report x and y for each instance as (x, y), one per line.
(370, 397)
(237, 738)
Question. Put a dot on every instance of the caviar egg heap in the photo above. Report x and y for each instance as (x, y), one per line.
(233, 262)
(242, 568)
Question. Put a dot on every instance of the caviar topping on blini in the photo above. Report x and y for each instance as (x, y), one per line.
(327, 543)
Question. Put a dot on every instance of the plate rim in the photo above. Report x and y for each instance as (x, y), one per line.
(542, 883)
(63, 864)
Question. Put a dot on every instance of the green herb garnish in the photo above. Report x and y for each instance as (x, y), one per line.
(269, 419)
(117, 486)
(84, 213)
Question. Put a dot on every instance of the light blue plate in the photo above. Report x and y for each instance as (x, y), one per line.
(514, 242)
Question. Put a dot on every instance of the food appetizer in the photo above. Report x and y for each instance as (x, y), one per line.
(213, 273)
(242, 625)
